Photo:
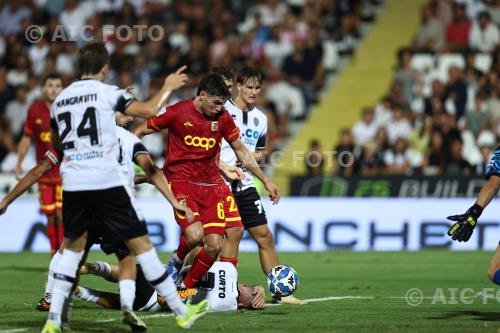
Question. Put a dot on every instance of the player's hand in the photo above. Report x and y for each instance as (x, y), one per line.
(3, 208)
(259, 298)
(19, 171)
(232, 172)
(176, 80)
(274, 192)
(465, 223)
(184, 211)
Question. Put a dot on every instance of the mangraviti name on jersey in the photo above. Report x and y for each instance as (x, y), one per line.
(77, 99)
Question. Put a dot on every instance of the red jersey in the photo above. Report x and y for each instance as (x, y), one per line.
(37, 127)
(194, 141)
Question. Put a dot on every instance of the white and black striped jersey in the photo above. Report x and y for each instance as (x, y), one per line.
(84, 117)
(253, 131)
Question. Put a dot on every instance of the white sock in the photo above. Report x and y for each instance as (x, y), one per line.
(153, 271)
(64, 275)
(50, 278)
(88, 294)
(127, 293)
(103, 269)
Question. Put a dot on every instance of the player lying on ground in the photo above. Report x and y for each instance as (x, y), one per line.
(465, 223)
(219, 285)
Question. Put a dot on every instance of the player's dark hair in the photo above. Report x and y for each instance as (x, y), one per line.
(226, 72)
(248, 73)
(213, 84)
(91, 58)
(51, 76)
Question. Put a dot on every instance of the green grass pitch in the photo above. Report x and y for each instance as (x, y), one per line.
(380, 280)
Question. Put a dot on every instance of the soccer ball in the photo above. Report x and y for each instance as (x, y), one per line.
(282, 280)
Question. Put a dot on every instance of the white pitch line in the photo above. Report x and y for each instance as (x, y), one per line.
(15, 330)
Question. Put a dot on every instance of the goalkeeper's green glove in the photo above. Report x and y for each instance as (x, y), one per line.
(465, 223)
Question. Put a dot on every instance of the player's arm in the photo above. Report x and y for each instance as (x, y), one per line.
(149, 108)
(22, 149)
(465, 223)
(248, 161)
(157, 178)
(24, 183)
(142, 130)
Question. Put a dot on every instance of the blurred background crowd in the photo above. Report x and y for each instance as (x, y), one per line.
(441, 113)
(297, 44)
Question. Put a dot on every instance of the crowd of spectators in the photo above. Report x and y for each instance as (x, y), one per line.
(293, 42)
(441, 115)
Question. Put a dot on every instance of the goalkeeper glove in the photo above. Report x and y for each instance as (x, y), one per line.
(465, 223)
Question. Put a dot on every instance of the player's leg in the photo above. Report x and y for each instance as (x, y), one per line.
(234, 230)
(494, 269)
(206, 257)
(48, 208)
(107, 271)
(265, 241)
(44, 303)
(105, 299)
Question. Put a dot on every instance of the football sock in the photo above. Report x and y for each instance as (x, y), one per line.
(183, 248)
(233, 261)
(200, 266)
(52, 235)
(88, 294)
(496, 277)
(64, 277)
(157, 275)
(50, 278)
(127, 293)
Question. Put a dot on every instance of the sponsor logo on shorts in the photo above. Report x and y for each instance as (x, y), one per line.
(207, 143)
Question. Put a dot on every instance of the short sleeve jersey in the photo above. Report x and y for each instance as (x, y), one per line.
(194, 141)
(84, 116)
(37, 127)
(253, 129)
(493, 168)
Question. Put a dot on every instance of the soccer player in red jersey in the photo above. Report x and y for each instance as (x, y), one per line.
(37, 128)
(195, 130)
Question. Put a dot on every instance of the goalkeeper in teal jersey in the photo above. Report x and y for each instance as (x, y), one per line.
(464, 224)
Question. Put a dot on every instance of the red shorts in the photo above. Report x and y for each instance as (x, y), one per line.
(50, 198)
(206, 202)
(233, 218)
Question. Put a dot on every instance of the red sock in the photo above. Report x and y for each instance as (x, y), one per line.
(201, 265)
(233, 261)
(60, 234)
(52, 234)
(183, 248)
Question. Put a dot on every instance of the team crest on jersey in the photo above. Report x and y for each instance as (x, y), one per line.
(188, 123)
(38, 121)
(215, 126)
(256, 121)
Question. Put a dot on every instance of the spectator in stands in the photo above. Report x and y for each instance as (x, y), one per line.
(484, 36)
(371, 161)
(434, 157)
(477, 119)
(12, 15)
(399, 127)
(382, 140)
(397, 159)
(406, 75)
(456, 165)
(16, 111)
(365, 129)
(457, 32)
(344, 151)
(7, 92)
(419, 141)
(7, 142)
(494, 11)
(19, 75)
(383, 112)
(486, 152)
(430, 37)
(434, 102)
(314, 159)
(276, 48)
(455, 92)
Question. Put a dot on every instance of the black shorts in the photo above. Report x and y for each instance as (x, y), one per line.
(143, 290)
(107, 214)
(250, 207)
